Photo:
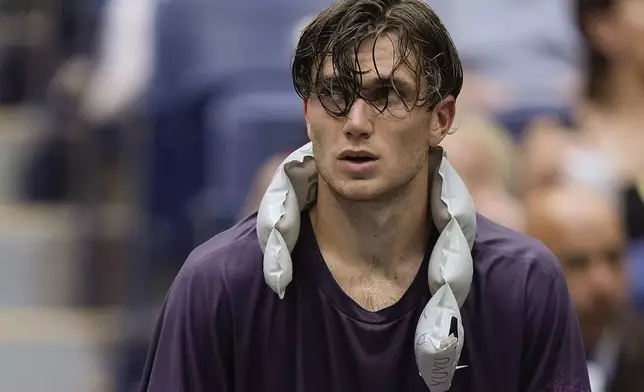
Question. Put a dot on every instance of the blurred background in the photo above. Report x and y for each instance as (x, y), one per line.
(133, 130)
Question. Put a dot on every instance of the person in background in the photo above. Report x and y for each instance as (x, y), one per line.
(586, 233)
(483, 155)
(124, 61)
(604, 147)
(610, 115)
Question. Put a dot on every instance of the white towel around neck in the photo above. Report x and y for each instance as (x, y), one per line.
(294, 187)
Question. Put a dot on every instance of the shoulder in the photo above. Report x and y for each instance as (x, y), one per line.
(517, 270)
(499, 250)
(522, 288)
(231, 259)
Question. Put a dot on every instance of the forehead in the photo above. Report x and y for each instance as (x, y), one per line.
(587, 227)
(377, 56)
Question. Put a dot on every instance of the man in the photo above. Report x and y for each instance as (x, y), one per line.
(584, 230)
(603, 148)
(326, 288)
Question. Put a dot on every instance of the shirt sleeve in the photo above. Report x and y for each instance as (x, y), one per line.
(553, 358)
(191, 350)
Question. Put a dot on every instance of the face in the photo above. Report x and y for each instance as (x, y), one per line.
(369, 155)
(621, 32)
(590, 249)
(631, 21)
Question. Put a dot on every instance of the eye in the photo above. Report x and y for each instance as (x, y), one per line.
(614, 257)
(389, 94)
(333, 101)
(575, 262)
(330, 96)
(383, 94)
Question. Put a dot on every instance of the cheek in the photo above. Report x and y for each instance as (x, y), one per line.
(622, 278)
(633, 16)
(317, 144)
(408, 155)
(321, 145)
(578, 292)
(633, 28)
(414, 143)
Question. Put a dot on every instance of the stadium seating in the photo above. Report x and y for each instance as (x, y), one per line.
(517, 120)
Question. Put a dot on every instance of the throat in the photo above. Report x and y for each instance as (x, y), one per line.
(376, 286)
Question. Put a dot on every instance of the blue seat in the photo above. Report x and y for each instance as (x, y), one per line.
(517, 120)
(205, 51)
(216, 115)
(199, 41)
(254, 126)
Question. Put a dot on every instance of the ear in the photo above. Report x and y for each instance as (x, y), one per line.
(442, 120)
(306, 117)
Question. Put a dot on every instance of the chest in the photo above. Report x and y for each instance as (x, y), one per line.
(303, 343)
(374, 287)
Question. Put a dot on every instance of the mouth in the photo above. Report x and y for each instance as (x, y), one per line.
(359, 159)
(358, 156)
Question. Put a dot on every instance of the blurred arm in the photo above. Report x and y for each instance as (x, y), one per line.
(125, 59)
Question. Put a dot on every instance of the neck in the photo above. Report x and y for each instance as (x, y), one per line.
(374, 233)
(622, 102)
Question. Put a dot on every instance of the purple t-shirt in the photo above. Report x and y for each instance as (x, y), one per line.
(222, 329)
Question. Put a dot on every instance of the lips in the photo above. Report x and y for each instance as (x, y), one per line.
(357, 156)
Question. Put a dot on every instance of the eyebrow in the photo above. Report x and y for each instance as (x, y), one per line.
(371, 84)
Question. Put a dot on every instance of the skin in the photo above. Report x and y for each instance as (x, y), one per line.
(584, 231)
(372, 227)
(618, 34)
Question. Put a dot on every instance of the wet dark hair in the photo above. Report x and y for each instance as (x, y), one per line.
(338, 32)
(597, 65)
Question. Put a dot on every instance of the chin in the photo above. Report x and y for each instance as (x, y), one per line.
(359, 190)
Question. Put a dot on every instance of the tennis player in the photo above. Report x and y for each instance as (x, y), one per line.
(367, 267)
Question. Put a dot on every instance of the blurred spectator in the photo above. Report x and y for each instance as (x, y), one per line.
(36, 37)
(90, 93)
(605, 149)
(483, 154)
(124, 60)
(50, 174)
(585, 232)
(610, 114)
(552, 155)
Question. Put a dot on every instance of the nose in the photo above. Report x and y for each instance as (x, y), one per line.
(359, 120)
